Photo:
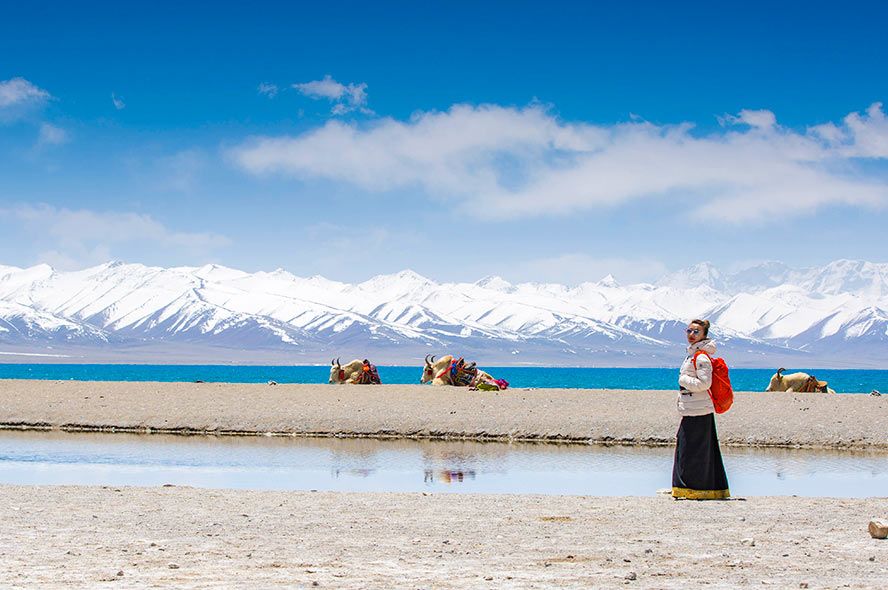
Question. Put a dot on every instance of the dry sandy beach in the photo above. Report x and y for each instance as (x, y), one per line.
(628, 417)
(191, 538)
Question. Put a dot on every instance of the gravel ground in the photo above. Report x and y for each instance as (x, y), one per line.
(94, 537)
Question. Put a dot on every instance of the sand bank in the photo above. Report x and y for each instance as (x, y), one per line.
(92, 537)
(601, 416)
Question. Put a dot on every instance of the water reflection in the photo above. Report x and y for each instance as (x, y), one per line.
(410, 465)
(447, 476)
(355, 472)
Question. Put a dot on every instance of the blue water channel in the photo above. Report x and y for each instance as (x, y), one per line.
(843, 381)
(367, 465)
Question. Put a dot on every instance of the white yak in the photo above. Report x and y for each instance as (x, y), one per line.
(348, 373)
(436, 372)
(433, 368)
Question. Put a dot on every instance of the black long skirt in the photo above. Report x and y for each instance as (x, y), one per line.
(698, 472)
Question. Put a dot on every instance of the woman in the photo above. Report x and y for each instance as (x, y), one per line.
(698, 472)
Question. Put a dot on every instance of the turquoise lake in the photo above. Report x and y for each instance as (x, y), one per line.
(843, 381)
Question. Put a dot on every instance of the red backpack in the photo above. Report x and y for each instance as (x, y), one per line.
(721, 392)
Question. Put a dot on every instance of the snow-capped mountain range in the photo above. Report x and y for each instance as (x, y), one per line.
(765, 315)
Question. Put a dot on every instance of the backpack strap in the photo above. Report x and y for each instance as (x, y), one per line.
(698, 353)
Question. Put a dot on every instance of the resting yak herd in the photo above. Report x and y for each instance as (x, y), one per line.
(447, 370)
(450, 370)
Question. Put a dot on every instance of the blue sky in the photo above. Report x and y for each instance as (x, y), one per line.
(537, 141)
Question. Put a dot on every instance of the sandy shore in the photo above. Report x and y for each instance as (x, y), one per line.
(629, 417)
(92, 537)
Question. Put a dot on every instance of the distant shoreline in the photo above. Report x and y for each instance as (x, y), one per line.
(627, 417)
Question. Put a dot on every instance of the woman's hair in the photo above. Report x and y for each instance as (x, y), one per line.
(703, 324)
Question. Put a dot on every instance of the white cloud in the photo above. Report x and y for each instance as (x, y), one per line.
(762, 119)
(527, 162)
(117, 101)
(18, 91)
(51, 135)
(828, 132)
(860, 135)
(864, 135)
(451, 152)
(327, 88)
(347, 98)
(269, 90)
(72, 238)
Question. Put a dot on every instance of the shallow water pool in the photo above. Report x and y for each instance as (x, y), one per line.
(278, 463)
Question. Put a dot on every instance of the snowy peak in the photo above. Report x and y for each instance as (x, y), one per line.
(609, 282)
(702, 274)
(846, 276)
(495, 283)
(758, 277)
(5, 270)
(837, 311)
(841, 276)
(215, 272)
(404, 281)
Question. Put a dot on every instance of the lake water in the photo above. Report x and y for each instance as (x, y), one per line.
(273, 463)
(843, 381)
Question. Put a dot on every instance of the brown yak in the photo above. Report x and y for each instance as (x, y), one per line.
(797, 382)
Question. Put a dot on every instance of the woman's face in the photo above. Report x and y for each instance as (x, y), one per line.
(695, 333)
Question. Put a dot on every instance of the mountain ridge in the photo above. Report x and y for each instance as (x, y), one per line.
(763, 315)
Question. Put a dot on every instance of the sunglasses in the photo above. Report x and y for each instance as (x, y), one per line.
(692, 331)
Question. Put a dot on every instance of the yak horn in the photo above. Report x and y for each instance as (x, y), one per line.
(779, 371)
(427, 359)
(433, 358)
(337, 360)
(333, 362)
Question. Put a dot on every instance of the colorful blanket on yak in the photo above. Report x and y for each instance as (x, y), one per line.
(369, 375)
(461, 374)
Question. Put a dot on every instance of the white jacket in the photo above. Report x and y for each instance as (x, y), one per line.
(693, 399)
